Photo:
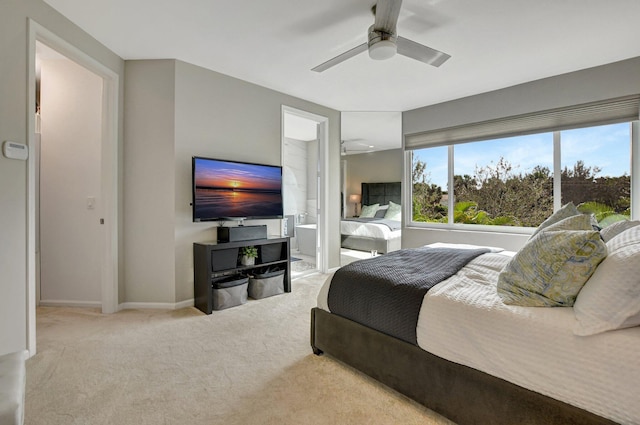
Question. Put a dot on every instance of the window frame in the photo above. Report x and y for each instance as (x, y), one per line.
(557, 184)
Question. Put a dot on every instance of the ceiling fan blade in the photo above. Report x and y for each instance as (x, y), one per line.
(421, 52)
(355, 142)
(341, 58)
(387, 13)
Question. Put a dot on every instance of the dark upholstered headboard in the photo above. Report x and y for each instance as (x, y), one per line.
(381, 193)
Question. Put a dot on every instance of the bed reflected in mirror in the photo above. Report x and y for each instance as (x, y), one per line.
(371, 165)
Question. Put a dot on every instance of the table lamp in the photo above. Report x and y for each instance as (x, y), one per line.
(355, 198)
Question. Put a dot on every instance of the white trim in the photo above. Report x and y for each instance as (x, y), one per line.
(514, 230)
(70, 303)
(344, 174)
(109, 164)
(635, 170)
(109, 189)
(123, 306)
(31, 292)
(159, 306)
(311, 273)
(323, 168)
(451, 201)
(407, 191)
(557, 171)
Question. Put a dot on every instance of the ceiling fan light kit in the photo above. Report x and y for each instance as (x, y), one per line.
(381, 45)
(384, 41)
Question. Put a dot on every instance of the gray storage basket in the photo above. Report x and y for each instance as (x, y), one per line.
(267, 284)
(229, 292)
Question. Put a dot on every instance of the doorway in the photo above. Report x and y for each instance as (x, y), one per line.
(303, 159)
(68, 136)
(98, 200)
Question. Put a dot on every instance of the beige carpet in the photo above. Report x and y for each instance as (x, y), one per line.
(250, 364)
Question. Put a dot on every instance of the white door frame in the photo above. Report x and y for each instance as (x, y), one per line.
(109, 175)
(323, 167)
(343, 186)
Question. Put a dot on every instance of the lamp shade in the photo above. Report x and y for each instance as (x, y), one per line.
(354, 197)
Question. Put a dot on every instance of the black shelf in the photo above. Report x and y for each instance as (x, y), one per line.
(213, 260)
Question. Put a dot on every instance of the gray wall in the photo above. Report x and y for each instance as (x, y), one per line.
(311, 201)
(210, 116)
(373, 167)
(13, 126)
(70, 233)
(149, 180)
(300, 170)
(203, 113)
(590, 85)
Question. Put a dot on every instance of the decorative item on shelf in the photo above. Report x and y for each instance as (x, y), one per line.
(249, 254)
(355, 198)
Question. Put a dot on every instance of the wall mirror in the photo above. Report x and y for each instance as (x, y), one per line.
(371, 152)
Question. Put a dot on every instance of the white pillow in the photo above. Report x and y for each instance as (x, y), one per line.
(369, 211)
(616, 228)
(630, 236)
(394, 212)
(610, 299)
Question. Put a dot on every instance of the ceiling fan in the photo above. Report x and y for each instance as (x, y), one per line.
(362, 147)
(384, 41)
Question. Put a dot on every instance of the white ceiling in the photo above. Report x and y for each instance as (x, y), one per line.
(275, 43)
(370, 131)
(360, 131)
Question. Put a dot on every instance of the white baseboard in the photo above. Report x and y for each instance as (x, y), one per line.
(68, 303)
(185, 303)
(159, 306)
(123, 306)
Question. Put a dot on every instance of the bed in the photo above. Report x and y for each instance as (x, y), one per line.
(374, 234)
(503, 364)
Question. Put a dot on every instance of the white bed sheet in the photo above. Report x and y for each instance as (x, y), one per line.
(369, 230)
(463, 320)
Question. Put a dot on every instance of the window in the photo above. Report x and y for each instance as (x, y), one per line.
(596, 170)
(512, 181)
(429, 176)
(504, 182)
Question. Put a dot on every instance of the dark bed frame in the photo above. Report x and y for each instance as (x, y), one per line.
(376, 193)
(460, 393)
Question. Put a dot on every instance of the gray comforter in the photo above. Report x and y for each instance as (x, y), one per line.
(386, 292)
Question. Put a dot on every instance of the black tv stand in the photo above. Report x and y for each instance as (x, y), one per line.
(212, 260)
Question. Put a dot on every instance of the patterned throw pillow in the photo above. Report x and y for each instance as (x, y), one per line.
(550, 270)
(574, 222)
(369, 211)
(611, 298)
(393, 212)
(566, 211)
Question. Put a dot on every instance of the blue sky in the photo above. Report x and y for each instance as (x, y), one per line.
(605, 146)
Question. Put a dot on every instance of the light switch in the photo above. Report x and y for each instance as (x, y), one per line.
(91, 202)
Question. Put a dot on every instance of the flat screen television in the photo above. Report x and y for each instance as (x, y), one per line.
(227, 190)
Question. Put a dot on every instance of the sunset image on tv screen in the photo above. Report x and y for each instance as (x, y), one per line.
(225, 189)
